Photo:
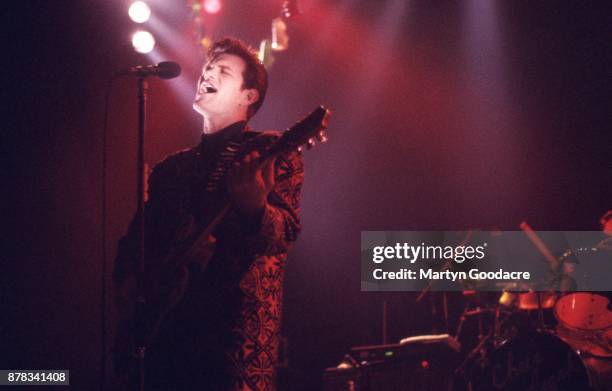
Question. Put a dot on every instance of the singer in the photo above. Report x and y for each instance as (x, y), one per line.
(217, 317)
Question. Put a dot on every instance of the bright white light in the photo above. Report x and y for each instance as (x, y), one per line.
(139, 11)
(212, 6)
(143, 41)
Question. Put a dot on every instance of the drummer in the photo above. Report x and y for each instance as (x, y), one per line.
(594, 258)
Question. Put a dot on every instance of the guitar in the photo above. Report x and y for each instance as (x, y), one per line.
(166, 284)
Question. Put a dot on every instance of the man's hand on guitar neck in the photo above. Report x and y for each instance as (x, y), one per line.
(249, 183)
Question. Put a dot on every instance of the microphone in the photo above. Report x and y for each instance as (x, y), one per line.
(163, 70)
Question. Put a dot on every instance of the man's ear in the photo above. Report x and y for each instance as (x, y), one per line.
(252, 95)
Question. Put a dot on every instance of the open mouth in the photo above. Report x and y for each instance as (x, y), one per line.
(207, 89)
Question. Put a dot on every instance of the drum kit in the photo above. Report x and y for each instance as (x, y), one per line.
(537, 339)
(530, 340)
(508, 340)
(512, 337)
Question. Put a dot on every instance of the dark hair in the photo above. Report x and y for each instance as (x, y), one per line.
(254, 75)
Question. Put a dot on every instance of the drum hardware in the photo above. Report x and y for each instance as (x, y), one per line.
(469, 313)
(595, 344)
(478, 350)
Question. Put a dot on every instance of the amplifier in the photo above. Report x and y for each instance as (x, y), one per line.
(419, 363)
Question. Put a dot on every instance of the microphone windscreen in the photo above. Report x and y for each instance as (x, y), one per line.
(168, 70)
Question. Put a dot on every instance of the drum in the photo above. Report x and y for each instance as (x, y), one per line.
(583, 311)
(536, 300)
(595, 343)
(538, 361)
(528, 300)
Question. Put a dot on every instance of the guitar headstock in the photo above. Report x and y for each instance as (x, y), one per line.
(305, 132)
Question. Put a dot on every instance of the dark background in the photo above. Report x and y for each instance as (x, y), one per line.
(447, 115)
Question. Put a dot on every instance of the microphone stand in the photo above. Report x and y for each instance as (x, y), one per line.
(140, 345)
(164, 70)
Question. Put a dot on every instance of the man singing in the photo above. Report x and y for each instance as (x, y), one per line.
(222, 332)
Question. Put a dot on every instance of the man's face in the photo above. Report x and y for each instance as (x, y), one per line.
(223, 77)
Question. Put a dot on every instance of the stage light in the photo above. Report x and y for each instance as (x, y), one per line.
(280, 39)
(265, 53)
(212, 6)
(143, 41)
(290, 9)
(139, 11)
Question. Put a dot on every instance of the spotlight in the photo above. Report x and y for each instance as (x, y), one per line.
(265, 53)
(290, 9)
(280, 39)
(212, 6)
(139, 11)
(143, 41)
